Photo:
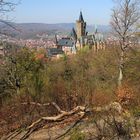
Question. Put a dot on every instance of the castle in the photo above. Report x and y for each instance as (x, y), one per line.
(79, 38)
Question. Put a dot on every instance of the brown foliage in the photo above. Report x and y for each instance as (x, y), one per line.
(125, 95)
(101, 99)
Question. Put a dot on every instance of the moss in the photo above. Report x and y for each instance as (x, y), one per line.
(77, 135)
(136, 111)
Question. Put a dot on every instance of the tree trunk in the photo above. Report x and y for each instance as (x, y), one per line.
(120, 77)
(121, 66)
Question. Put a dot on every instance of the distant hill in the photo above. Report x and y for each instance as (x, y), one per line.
(30, 30)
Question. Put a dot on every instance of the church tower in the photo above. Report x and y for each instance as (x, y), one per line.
(81, 26)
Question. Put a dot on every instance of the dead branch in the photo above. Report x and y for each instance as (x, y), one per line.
(46, 104)
(37, 104)
(13, 134)
(78, 109)
(67, 131)
(10, 25)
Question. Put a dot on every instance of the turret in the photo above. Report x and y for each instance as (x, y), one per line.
(81, 26)
(56, 41)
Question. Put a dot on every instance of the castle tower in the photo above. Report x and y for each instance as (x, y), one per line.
(81, 26)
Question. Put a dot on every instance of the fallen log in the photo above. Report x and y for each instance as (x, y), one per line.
(79, 111)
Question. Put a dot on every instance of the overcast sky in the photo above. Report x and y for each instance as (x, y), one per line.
(63, 11)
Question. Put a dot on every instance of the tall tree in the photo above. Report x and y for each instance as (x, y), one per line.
(125, 18)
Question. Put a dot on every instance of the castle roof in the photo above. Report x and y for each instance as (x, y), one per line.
(65, 42)
(54, 51)
(73, 34)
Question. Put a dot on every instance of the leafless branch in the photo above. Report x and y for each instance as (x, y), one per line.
(7, 6)
(125, 17)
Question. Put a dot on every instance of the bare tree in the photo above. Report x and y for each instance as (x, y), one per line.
(7, 6)
(125, 18)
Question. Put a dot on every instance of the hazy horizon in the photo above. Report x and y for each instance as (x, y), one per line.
(59, 23)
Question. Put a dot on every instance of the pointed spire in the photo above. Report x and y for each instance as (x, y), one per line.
(81, 17)
(73, 34)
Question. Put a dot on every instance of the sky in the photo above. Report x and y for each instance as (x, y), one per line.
(62, 11)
